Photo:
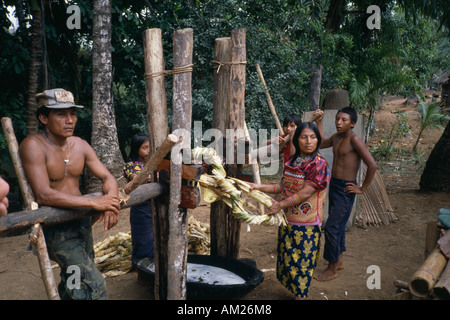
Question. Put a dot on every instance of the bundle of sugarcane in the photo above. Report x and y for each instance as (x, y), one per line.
(228, 189)
(198, 237)
(113, 255)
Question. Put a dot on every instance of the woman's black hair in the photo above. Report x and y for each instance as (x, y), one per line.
(298, 131)
(136, 142)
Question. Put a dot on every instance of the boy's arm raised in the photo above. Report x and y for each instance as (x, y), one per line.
(326, 142)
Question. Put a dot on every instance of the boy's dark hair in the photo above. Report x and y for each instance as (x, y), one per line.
(295, 118)
(136, 142)
(351, 112)
(298, 131)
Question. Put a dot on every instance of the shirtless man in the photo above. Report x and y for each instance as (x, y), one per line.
(348, 151)
(53, 161)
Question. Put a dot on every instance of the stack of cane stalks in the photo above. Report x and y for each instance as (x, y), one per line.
(217, 186)
(113, 255)
(198, 237)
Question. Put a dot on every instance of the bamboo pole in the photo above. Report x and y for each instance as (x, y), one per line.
(37, 236)
(13, 146)
(269, 99)
(38, 239)
(442, 288)
(182, 114)
(424, 279)
(255, 169)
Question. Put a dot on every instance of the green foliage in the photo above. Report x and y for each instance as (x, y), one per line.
(430, 117)
(399, 129)
(285, 37)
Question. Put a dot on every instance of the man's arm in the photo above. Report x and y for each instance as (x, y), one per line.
(110, 186)
(365, 155)
(33, 161)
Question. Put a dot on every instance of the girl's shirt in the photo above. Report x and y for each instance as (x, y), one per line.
(130, 168)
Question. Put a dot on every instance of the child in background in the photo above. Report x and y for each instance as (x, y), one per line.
(290, 123)
(141, 220)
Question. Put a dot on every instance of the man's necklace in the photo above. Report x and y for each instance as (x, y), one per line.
(66, 161)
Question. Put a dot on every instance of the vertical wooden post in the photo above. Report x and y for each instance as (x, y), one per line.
(237, 78)
(222, 54)
(219, 210)
(181, 125)
(225, 229)
(158, 129)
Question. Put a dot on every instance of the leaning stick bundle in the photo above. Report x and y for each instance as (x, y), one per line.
(375, 207)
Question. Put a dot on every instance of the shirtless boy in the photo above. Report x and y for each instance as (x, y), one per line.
(53, 161)
(348, 151)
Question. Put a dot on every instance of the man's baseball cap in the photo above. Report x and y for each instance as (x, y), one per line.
(56, 99)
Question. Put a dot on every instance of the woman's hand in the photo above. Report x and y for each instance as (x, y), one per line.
(253, 186)
(275, 208)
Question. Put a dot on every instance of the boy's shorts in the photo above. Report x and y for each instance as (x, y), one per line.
(340, 206)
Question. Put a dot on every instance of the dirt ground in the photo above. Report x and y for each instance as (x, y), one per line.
(397, 249)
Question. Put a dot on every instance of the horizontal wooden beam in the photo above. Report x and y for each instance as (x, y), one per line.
(16, 222)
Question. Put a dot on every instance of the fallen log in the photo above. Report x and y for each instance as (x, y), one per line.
(441, 289)
(18, 222)
(424, 279)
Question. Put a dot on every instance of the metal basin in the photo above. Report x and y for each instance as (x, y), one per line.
(213, 277)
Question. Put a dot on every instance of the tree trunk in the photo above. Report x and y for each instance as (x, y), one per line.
(436, 175)
(35, 68)
(314, 94)
(334, 16)
(104, 138)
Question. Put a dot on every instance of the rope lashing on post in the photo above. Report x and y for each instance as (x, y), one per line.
(184, 69)
(219, 64)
